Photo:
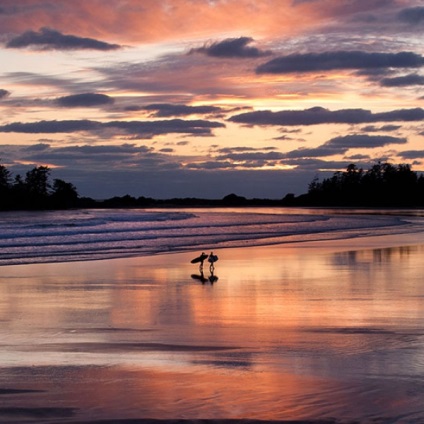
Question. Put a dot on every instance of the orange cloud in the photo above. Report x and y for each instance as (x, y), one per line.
(151, 20)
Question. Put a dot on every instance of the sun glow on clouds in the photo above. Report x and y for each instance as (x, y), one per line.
(189, 78)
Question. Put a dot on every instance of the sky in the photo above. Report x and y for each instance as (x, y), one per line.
(203, 98)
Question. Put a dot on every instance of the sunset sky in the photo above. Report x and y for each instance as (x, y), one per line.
(202, 98)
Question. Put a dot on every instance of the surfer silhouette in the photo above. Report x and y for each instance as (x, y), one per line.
(200, 259)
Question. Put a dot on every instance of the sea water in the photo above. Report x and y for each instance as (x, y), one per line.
(280, 332)
(76, 235)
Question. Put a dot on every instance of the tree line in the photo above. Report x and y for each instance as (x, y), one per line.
(35, 190)
(383, 185)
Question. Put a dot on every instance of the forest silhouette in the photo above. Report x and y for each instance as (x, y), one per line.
(35, 191)
(383, 185)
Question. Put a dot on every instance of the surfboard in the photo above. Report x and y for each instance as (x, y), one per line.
(200, 258)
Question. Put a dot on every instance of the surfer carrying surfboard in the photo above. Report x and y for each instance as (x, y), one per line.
(200, 259)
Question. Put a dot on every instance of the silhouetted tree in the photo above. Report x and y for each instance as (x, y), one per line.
(37, 181)
(234, 200)
(4, 178)
(64, 194)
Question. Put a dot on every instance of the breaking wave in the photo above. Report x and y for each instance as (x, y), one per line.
(58, 236)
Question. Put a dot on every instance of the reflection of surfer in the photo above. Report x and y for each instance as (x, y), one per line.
(212, 259)
(212, 278)
(199, 277)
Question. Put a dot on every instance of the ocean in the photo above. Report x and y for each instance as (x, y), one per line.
(329, 331)
(79, 235)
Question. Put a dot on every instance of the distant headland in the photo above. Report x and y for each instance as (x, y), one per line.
(382, 185)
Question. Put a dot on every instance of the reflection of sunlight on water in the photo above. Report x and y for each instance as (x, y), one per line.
(283, 334)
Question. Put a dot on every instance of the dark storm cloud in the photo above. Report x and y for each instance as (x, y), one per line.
(232, 48)
(412, 15)
(85, 100)
(163, 110)
(328, 61)
(3, 93)
(319, 115)
(340, 145)
(145, 129)
(403, 81)
(50, 39)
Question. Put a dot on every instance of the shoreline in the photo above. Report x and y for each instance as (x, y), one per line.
(88, 243)
(324, 246)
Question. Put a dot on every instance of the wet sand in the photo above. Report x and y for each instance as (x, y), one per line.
(314, 332)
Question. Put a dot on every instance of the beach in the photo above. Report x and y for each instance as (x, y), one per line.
(326, 331)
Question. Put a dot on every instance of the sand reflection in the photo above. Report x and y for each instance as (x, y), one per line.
(283, 334)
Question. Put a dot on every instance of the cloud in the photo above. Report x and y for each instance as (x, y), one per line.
(85, 100)
(96, 154)
(412, 15)
(329, 61)
(50, 39)
(315, 164)
(170, 78)
(166, 109)
(51, 127)
(403, 81)
(152, 128)
(230, 150)
(354, 141)
(253, 156)
(232, 48)
(3, 93)
(211, 165)
(99, 159)
(384, 128)
(412, 154)
(144, 129)
(319, 115)
(358, 157)
(37, 147)
(297, 2)
(340, 145)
